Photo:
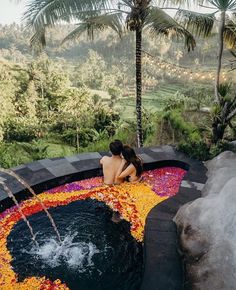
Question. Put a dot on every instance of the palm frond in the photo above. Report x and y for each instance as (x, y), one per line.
(160, 22)
(186, 3)
(38, 40)
(46, 13)
(77, 32)
(224, 5)
(98, 23)
(199, 23)
(230, 34)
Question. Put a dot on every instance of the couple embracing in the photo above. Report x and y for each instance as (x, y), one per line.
(123, 165)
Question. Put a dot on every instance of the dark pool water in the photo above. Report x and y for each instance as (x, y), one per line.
(96, 254)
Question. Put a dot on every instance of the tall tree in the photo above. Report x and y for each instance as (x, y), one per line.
(96, 15)
(76, 110)
(225, 106)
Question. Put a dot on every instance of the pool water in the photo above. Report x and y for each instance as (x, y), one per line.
(96, 253)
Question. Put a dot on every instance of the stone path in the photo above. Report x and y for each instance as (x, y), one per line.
(163, 269)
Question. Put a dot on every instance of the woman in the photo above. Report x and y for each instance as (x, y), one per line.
(131, 167)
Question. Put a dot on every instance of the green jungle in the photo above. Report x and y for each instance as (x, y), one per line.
(80, 95)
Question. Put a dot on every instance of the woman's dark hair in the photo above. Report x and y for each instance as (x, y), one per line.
(131, 157)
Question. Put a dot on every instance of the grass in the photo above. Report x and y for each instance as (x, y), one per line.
(153, 101)
(16, 153)
(103, 94)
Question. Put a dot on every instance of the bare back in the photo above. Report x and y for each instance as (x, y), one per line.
(110, 166)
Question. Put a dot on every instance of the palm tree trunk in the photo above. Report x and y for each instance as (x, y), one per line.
(218, 125)
(220, 53)
(139, 86)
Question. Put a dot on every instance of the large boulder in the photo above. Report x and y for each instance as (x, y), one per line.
(220, 170)
(207, 228)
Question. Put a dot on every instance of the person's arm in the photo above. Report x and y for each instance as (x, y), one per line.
(123, 162)
(127, 172)
(101, 160)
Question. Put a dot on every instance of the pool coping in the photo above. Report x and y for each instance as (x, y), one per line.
(163, 268)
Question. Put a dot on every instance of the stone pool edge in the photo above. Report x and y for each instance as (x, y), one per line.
(162, 264)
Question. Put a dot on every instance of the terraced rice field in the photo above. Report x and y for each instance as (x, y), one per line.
(153, 101)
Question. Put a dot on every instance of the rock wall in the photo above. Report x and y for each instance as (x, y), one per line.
(207, 229)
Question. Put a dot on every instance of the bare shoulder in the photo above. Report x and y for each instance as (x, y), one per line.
(103, 159)
(131, 166)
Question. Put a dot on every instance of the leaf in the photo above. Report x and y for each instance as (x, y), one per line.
(46, 13)
(97, 23)
(201, 24)
(159, 22)
(230, 34)
(224, 5)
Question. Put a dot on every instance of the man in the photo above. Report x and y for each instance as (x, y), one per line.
(110, 165)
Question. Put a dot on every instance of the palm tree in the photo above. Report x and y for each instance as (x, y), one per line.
(225, 107)
(95, 15)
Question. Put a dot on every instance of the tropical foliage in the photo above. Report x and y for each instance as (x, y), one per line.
(95, 16)
(225, 105)
(82, 95)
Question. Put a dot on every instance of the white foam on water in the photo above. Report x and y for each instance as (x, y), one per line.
(75, 255)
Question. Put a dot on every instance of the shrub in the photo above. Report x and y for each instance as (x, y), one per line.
(195, 149)
(180, 125)
(13, 154)
(106, 119)
(86, 136)
(19, 131)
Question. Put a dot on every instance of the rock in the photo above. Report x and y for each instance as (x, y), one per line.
(220, 170)
(207, 229)
(233, 144)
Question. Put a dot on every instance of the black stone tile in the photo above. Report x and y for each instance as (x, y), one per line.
(14, 185)
(163, 207)
(22, 166)
(174, 203)
(164, 251)
(46, 162)
(165, 238)
(54, 159)
(34, 166)
(89, 156)
(168, 236)
(156, 214)
(196, 175)
(4, 176)
(163, 276)
(189, 193)
(66, 169)
(33, 178)
(3, 194)
(146, 158)
(73, 158)
(84, 165)
(160, 226)
(58, 162)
